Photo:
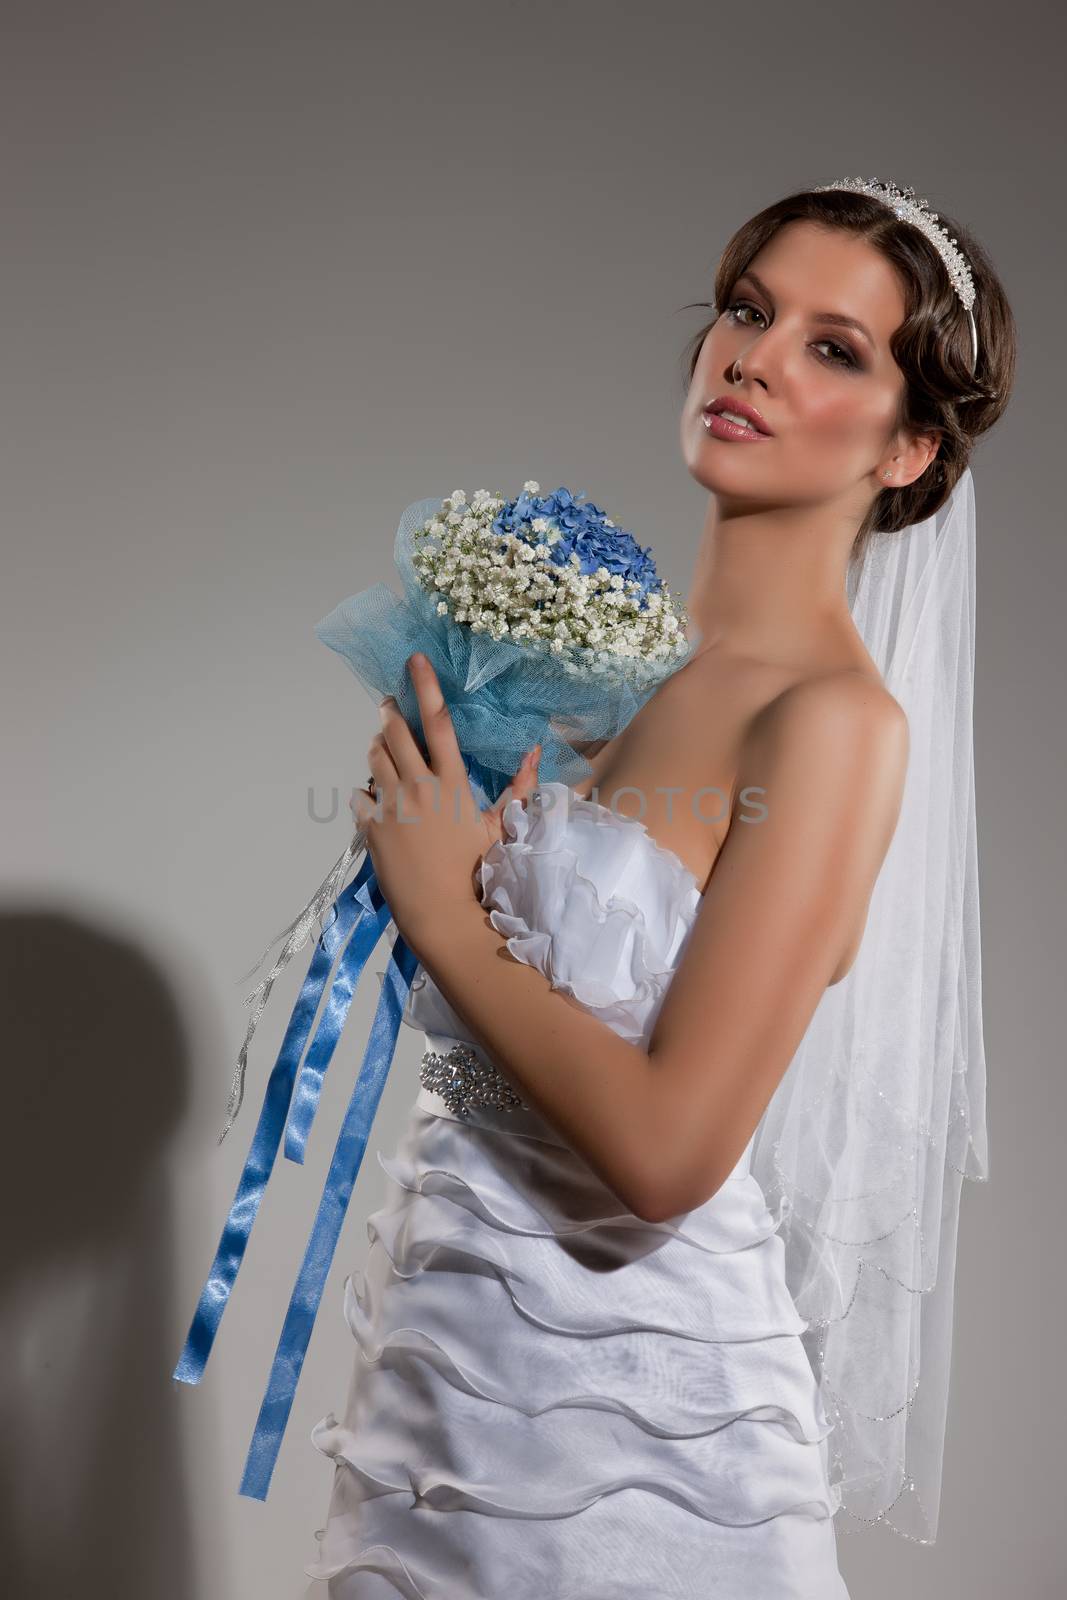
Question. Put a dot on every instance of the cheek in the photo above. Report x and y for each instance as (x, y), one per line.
(837, 415)
(838, 420)
(713, 359)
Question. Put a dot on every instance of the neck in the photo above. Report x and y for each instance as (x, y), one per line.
(769, 584)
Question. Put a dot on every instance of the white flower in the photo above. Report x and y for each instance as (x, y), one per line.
(501, 585)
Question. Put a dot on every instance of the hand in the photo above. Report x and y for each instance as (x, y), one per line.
(425, 833)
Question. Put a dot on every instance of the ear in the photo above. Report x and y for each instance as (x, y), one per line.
(911, 455)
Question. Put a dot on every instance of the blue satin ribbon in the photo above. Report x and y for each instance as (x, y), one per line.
(344, 1168)
(305, 1100)
(360, 917)
(360, 905)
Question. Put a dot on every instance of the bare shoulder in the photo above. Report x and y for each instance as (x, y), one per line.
(844, 704)
(844, 696)
(841, 739)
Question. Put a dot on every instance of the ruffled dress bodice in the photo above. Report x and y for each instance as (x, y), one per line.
(587, 897)
(552, 1395)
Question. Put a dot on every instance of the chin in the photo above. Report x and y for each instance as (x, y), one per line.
(716, 467)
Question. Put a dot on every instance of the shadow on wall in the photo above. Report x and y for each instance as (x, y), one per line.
(96, 1074)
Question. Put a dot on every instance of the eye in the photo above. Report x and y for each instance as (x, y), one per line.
(734, 309)
(842, 356)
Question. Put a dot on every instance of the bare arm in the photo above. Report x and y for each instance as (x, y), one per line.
(785, 897)
(664, 1128)
(585, 1080)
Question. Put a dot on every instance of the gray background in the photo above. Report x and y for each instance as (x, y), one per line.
(270, 273)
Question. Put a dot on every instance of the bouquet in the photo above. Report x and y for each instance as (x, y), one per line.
(545, 623)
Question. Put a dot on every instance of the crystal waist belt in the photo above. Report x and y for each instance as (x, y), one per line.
(463, 1079)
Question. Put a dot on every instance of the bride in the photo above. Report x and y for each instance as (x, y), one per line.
(675, 1210)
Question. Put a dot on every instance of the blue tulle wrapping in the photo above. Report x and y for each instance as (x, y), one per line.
(503, 699)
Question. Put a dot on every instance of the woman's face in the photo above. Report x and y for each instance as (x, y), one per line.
(829, 394)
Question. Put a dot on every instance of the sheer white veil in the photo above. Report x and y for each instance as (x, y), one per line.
(881, 1113)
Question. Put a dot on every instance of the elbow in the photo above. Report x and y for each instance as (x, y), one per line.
(659, 1202)
(649, 1200)
(664, 1208)
(656, 1165)
(650, 1196)
(648, 1210)
(690, 1166)
(661, 1208)
(666, 1197)
(646, 1204)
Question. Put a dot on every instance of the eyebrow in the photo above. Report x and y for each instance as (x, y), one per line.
(833, 317)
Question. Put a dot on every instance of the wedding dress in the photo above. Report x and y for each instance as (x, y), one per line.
(552, 1397)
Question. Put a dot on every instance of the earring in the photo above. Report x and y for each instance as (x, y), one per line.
(887, 474)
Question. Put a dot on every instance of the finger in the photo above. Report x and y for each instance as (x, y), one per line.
(524, 782)
(354, 798)
(383, 769)
(402, 745)
(365, 808)
(441, 742)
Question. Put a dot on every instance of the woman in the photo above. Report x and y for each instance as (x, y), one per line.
(591, 1358)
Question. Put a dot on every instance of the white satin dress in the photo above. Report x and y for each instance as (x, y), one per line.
(550, 1396)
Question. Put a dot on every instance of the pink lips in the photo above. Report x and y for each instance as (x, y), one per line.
(724, 429)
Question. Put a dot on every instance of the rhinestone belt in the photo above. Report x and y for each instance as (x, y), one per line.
(463, 1080)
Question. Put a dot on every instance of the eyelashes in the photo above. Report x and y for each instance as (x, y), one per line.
(843, 358)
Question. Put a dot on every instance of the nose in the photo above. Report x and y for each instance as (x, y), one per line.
(750, 366)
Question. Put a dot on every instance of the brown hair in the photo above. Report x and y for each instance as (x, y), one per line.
(932, 346)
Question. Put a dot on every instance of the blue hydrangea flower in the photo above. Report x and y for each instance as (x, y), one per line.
(583, 530)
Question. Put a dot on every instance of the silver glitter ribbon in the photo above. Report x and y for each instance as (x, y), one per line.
(296, 936)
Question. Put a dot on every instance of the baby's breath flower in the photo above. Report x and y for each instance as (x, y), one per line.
(552, 574)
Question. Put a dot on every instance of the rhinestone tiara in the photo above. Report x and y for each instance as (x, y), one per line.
(903, 204)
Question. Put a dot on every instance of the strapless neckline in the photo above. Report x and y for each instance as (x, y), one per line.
(624, 818)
